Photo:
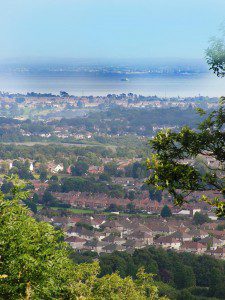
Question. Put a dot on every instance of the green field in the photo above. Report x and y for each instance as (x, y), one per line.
(73, 210)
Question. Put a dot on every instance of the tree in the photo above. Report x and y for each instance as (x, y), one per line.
(31, 205)
(113, 208)
(6, 187)
(54, 186)
(184, 277)
(48, 199)
(111, 169)
(166, 212)
(168, 170)
(43, 175)
(200, 219)
(131, 207)
(80, 168)
(105, 177)
(54, 178)
(35, 198)
(155, 194)
(36, 264)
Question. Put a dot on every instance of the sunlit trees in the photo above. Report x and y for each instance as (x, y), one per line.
(35, 263)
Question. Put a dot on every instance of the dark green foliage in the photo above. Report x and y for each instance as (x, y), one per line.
(113, 208)
(131, 207)
(111, 169)
(166, 212)
(6, 187)
(54, 178)
(84, 225)
(48, 199)
(182, 274)
(35, 198)
(31, 205)
(138, 121)
(199, 218)
(80, 168)
(43, 175)
(54, 186)
(167, 170)
(136, 170)
(154, 194)
(104, 177)
(92, 186)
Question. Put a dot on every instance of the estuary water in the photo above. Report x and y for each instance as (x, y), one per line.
(99, 84)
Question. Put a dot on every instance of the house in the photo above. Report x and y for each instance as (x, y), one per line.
(219, 253)
(94, 222)
(211, 242)
(55, 168)
(94, 245)
(114, 239)
(131, 245)
(76, 242)
(160, 228)
(181, 236)
(113, 225)
(113, 247)
(212, 216)
(168, 242)
(194, 247)
(145, 237)
(198, 233)
(95, 169)
(81, 232)
(59, 221)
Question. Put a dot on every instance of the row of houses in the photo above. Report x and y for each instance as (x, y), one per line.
(127, 234)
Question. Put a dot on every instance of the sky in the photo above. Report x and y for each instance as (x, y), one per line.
(108, 29)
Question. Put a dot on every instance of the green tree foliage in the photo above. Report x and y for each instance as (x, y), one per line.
(111, 169)
(113, 208)
(136, 170)
(35, 198)
(199, 218)
(202, 275)
(166, 212)
(54, 178)
(54, 186)
(131, 207)
(80, 168)
(92, 186)
(167, 170)
(35, 264)
(43, 175)
(48, 199)
(154, 194)
(184, 277)
(215, 55)
(7, 186)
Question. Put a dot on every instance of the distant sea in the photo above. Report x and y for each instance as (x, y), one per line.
(100, 84)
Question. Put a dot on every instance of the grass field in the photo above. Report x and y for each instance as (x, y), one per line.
(73, 210)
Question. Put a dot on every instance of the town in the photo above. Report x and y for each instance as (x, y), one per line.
(108, 207)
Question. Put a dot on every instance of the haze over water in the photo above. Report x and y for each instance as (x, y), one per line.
(204, 84)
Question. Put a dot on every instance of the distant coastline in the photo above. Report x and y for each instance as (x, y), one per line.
(100, 84)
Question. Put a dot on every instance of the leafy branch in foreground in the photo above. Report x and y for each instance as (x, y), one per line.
(171, 151)
(35, 263)
(168, 168)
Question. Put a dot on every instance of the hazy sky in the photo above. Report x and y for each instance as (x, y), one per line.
(108, 28)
